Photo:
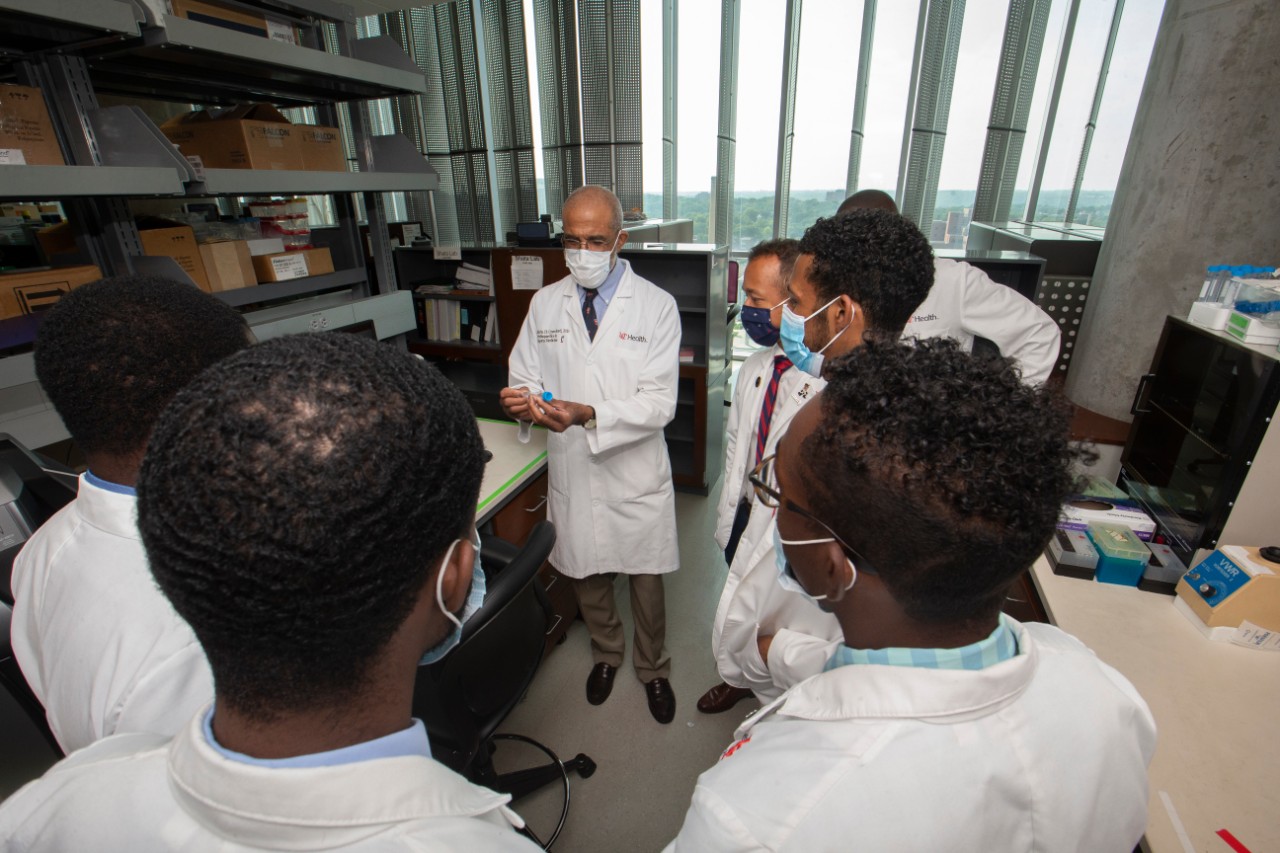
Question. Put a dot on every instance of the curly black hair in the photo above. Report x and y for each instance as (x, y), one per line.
(878, 259)
(293, 501)
(943, 470)
(112, 354)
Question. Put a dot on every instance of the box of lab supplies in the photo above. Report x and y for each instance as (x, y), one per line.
(1122, 556)
(290, 265)
(1233, 585)
(33, 291)
(1080, 511)
(1163, 570)
(1251, 329)
(26, 132)
(163, 238)
(322, 148)
(228, 265)
(1071, 553)
(235, 18)
(248, 136)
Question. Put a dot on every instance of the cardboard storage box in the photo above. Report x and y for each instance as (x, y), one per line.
(290, 265)
(250, 136)
(227, 17)
(26, 133)
(228, 265)
(37, 290)
(322, 148)
(162, 238)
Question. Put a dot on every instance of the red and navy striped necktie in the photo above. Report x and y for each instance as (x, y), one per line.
(780, 366)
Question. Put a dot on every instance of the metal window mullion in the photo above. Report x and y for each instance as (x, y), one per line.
(1093, 112)
(1051, 112)
(670, 89)
(787, 117)
(860, 96)
(722, 228)
(922, 26)
(482, 38)
(1010, 106)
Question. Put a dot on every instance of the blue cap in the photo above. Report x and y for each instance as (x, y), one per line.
(548, 396)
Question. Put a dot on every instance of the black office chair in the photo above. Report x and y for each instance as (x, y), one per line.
(466, 696)
(15, 683)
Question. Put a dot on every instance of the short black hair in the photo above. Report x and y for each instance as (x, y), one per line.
(112, 354)
(962, 461)
(785, 249)
(294, 500)
(878, 259)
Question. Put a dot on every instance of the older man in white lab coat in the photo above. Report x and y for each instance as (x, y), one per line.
(308, 507)
(605, 343)
(965, 303)
(910, 493)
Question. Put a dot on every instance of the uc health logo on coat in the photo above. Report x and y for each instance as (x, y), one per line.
(735, 747)
(635, 339)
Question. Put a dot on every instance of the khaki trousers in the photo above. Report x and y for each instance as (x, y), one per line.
(648, 608)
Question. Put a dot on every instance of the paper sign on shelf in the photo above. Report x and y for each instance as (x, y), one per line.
(447, 253)
(12, 157)
(526, 272)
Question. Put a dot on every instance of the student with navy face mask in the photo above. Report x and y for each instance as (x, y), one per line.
(769, 390)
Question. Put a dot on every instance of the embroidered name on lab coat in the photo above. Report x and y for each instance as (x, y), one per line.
(552, 336)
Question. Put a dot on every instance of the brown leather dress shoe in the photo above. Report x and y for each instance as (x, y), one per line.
(721, 698)
(600, 683)
(662, 701)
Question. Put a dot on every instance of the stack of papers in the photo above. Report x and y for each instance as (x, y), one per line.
(474, 278)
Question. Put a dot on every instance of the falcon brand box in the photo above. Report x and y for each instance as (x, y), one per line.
(34, 291)
(249, 136)
(26, 132)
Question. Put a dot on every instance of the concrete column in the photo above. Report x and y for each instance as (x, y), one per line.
(1200, 185)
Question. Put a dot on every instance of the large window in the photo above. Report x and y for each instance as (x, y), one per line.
(698, 101)
(760, 51)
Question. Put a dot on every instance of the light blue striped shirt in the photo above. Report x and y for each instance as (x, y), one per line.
(603, 294)
(1000, 646)
(410, 741)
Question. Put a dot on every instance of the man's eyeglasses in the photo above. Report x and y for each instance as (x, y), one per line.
(595, 244)
(765, 482)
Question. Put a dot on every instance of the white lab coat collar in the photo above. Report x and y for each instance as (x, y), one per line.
(108, 511)
(262, 807)
(896, 692)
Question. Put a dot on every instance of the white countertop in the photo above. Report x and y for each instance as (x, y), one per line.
(513, 464)
(1216, 706)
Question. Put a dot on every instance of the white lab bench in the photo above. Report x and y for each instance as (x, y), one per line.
(513, 466)
(1216, 706)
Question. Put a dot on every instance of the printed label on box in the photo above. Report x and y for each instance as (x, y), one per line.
(280, 31)
(290, 266)
(12, 157)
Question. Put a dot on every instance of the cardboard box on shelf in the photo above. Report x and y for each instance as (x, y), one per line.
(228, 265)
(26, 132)
(37, 290)
(249, 136)
(290, 265)
(56, 240)
(227, 17)
(163, 238)
(322, 148)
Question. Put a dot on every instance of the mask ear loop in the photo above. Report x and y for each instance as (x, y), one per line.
(853, 578)
(440, 585)
(839, 333)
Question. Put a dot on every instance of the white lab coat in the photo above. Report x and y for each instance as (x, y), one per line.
(610, 494)
(964, 302)
(752, 602)
(142, 793)
(98, 642)
(1047, 751)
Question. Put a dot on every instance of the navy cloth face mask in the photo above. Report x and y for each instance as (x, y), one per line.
(758, 326)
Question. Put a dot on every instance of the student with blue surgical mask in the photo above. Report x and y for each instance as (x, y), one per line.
(856, 278)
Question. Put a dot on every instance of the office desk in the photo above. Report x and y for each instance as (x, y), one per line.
(1215, 707)
(513, 466)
